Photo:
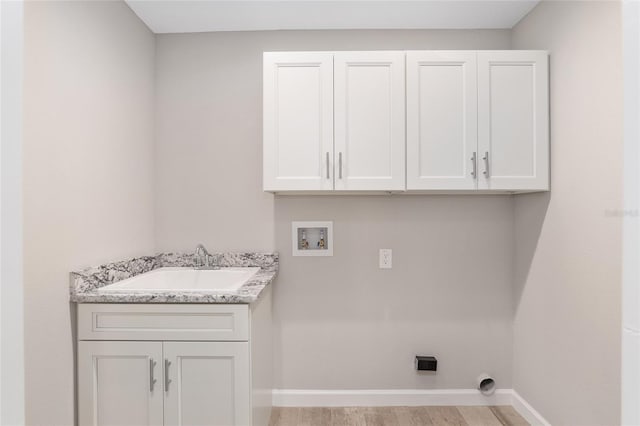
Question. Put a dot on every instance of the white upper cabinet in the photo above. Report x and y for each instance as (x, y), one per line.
(458, 120)
(369, 108)
(442, 126)
(513, 120)
(298, 121)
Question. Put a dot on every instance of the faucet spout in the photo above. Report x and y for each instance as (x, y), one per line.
(203, 259)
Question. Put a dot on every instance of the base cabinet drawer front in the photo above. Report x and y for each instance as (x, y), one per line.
(120, 383)
(163, 322)
(208, 384)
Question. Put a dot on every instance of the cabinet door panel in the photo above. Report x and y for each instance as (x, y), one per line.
(114, 384)
(209, 385)
(298, 121)
(441, 120)
(513, 120)
(369, 121)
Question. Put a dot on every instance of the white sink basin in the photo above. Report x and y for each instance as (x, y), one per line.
(184, 279)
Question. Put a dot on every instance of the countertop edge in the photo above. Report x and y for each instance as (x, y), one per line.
(84, 284)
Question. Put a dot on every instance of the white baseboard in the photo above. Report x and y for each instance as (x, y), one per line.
(529, 413)
(387, 397)
(405, 397)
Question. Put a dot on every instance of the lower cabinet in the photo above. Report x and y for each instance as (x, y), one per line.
(164, 383)
(120, 383)
(207, 383)
(188, 365)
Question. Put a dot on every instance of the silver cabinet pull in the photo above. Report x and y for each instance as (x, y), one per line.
(327, 161)
(486, 163)
(167, 363)
(152, 381)
(340, 166)
(474, 163)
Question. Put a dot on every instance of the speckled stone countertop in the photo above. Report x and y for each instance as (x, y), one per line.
(85, 283)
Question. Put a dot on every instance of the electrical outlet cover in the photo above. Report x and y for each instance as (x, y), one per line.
(386, 258)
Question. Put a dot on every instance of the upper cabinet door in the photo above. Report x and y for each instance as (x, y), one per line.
(369, 121)
(441, 120)
(513, 120)
(298, 121)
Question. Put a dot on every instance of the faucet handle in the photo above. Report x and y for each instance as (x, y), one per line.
(212, 260)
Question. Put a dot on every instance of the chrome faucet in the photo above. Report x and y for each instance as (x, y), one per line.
(203, 259)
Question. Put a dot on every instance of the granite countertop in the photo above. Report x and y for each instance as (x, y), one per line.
(85, 284)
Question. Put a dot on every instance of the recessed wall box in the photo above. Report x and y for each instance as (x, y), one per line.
(312, 238)
(426, 363)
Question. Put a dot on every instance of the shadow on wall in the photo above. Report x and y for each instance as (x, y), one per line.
(530, 213)
(73, 321)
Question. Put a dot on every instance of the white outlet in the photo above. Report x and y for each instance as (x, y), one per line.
(386, 258)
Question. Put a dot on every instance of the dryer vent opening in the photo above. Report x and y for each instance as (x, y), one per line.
(486, 384)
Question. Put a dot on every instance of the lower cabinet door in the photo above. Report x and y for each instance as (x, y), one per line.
(120, 383)
(207, 383)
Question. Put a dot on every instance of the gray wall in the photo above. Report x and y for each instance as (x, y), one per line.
(90, 164)
(359, 327)
(568, 243)
(209, 126)
(449, 293)
(88, 169)
(11, 289)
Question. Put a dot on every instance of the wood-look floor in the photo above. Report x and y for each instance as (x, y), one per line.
(397, 416)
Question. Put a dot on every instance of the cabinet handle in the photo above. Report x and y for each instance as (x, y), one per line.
(486, 164)
(167, 363)
(327, 161)
(152, 381)
(340, 166)
(474, 163)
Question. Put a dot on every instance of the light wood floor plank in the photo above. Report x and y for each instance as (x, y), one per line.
(275, 416)
(380, 416)
(339, 417)
(413, 416)
(314, 416)
(479, 416)
(396, 416)
(508, 415)
(446, 416)
(284, 416)
(355, 416)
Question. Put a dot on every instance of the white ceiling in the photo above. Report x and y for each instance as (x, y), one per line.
(185, 16)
